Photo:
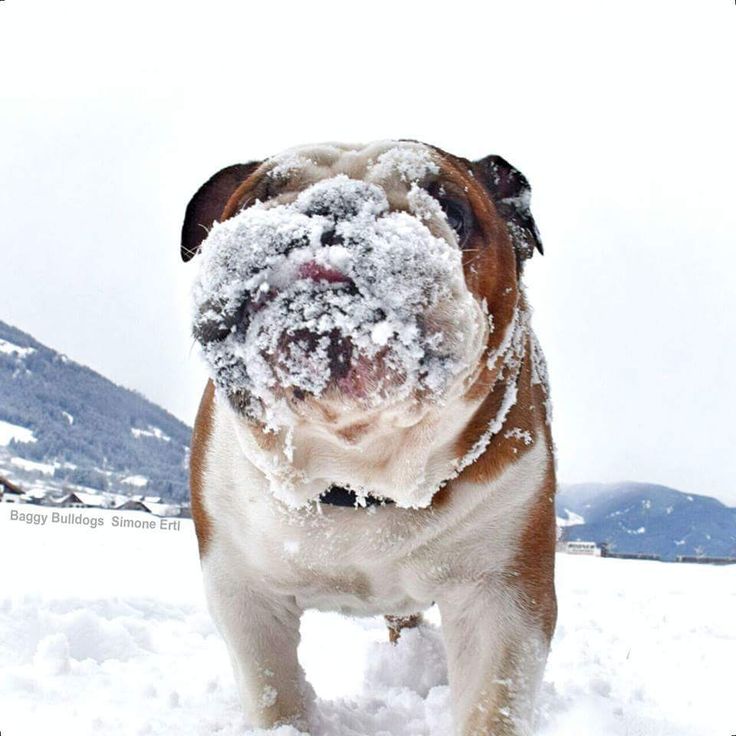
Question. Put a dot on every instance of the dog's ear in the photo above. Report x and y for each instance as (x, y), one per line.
(207, 204)
(511, 193)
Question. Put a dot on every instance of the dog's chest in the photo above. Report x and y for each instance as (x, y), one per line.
(364, 561)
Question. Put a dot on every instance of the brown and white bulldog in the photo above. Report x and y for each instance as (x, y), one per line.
(376, 436)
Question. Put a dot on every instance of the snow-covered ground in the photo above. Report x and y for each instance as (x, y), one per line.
(31, 466)
(104, 631)
(10, 348)
(10, 432)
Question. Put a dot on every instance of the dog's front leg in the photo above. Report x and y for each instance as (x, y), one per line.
(262, 635)
(496, 651)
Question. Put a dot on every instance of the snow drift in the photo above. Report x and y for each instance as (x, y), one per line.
(112, 637)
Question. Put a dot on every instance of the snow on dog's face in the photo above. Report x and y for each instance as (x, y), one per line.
(336, 288)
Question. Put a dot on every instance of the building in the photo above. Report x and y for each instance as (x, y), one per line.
(70, 500)
(10, 492)
(150, 506)
(134, 505)
(583, 548)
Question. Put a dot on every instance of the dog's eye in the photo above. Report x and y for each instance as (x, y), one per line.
(455, 216)
(456, 209)
(458, 217)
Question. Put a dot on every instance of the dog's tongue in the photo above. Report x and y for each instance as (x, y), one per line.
(317, 272)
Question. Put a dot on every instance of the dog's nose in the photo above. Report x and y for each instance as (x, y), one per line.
(330, 237)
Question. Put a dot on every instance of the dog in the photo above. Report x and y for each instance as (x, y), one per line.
(375, 436)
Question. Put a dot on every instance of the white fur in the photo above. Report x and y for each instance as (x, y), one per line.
(380, 545)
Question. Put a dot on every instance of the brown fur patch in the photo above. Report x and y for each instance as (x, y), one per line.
(242, 196)
(528, 415)
(489, 261)
(533, 567)
(267, 441)
(396, 624)
(353, 432)
(505, 447)
(200, 442)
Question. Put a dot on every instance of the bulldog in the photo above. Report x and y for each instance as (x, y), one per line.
(375, 437)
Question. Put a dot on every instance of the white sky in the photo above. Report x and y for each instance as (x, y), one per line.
(621, 114)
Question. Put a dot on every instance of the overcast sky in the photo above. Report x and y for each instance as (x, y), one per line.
(621, 115)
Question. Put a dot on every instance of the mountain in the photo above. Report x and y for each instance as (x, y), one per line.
(68, 424)
(647, 518)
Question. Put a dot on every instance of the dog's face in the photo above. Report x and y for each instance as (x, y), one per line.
(349, 280)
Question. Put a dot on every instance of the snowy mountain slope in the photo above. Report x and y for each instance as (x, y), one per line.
(649, 518)
(112, 637)
(86, 428)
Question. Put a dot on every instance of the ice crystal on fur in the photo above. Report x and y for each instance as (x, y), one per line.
(517, 433)
(409, 163)
(508, 358)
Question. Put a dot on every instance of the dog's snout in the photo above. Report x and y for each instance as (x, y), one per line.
(341, 198)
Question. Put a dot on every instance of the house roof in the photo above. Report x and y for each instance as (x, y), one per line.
(9, 486)
(89, 499)
(133, 504)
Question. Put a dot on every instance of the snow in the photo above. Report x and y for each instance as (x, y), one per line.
(161, 509)
(517, 433)
(9, 348)
(572, 519)
(151, 431)
(90, 499)
(113, 637)
(138, 481)
(409, 163)
(10, 432)
(32, 466)
(640, 530)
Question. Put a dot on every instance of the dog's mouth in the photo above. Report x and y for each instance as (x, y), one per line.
(347, 369)
(294, 302)
(350, 373)
(301, 336)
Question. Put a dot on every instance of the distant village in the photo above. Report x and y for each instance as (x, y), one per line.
(601, 549)
(71, 497)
